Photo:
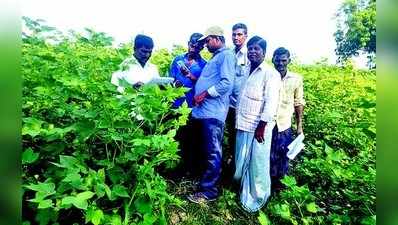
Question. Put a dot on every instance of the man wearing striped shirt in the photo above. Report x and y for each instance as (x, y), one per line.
(255, 119)
(291, 100)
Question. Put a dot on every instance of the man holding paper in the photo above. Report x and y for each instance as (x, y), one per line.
(136, 70)
(291, 100)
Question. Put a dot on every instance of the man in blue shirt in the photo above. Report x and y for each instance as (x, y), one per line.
(212, 91)
(186, 69)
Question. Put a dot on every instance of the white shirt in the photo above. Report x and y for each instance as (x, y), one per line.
(131, 71)
(258, 98)
(241, 56)
(291, 94)
(242, 63)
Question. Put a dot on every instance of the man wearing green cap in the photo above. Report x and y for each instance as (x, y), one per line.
(212, 91)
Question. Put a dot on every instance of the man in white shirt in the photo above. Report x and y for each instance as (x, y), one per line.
(239, 36)
(291, 100)
(255, 118)
(136, 70)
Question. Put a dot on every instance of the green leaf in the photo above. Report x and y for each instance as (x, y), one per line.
(142, 142)
(45, 204)
(72, 177)
(289, 181)
(119, 190)
(68, 200)
(98, 216)
(31, 126)
(143, 205)
(84, 195)
(101, 175)
(108, 192)
(371, 220)
(149, 219)
(283, 210)
(116, 220)
(94, 215)
(263, 219)
(45, 188)
(85, 129)
(312, 207)
(68, 161)
(28, 156)
(80, 203)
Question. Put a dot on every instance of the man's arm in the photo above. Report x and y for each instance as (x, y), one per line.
(299, 103)
(227, 73)
(271, 93)
(299, 118)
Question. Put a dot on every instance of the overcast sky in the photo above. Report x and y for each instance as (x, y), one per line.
(304, 27)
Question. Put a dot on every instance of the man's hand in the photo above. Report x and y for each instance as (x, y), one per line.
(200, 98)
(184, 70)
(190, 76)
(138, 85)
(259, 132)
(299, 130)
(178, 84)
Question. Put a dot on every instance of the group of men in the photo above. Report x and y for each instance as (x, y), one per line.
(235, 90)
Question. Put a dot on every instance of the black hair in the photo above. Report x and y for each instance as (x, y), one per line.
(239, 26)
(143, 40)
(258, 40)
(281, 51)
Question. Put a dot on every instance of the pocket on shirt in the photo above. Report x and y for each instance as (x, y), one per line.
(254, 93)
(250, 106)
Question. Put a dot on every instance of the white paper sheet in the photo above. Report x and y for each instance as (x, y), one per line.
(295, 147)
(161, 80)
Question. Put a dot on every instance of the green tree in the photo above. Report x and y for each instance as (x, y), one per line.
(356, 30)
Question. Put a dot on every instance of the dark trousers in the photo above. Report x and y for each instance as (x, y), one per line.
(192, 157)
(229, 152)
(279, 162)
(211, 135)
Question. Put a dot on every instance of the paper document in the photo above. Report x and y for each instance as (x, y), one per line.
(161, 80)
(295, 147)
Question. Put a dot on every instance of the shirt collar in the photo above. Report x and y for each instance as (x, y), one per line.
(219, 50)
(262, 66)
(242, 50)
(288, 75)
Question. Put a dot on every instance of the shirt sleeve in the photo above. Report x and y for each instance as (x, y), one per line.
(116, 77)
(227, 73)
(156, 72)
(272, 87)
(197, 72)
(173, 69)
(299, 93)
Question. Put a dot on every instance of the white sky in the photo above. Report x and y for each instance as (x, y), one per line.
(304, 27)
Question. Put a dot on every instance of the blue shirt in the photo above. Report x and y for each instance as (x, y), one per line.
(175, 72)
(217, 78)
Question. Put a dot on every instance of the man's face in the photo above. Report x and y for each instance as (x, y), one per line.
(142, 54)
(255, 54)
(194, 48)
(239, 37)
(280, 63)
(212, 44)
